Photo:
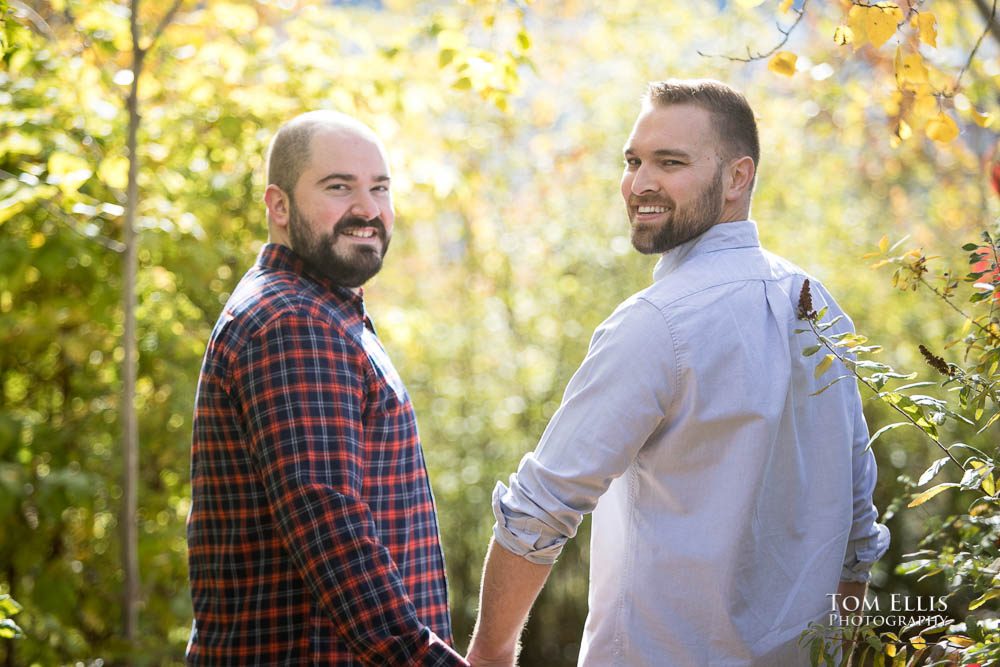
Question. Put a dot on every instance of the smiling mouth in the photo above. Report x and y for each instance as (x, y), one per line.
(361, 232)
(650, 209)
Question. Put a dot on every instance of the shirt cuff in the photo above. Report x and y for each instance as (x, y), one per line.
(522, 534)
(862, 554)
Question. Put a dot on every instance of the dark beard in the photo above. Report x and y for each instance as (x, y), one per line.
(349, 268)
(682, 226)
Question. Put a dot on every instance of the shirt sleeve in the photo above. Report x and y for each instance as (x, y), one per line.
(616, 399)
(869, 540)
(301, 388)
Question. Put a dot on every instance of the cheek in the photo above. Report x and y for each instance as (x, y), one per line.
(626, 184)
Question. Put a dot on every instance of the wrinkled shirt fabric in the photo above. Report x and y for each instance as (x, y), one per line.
(728, 497)
(312, 537)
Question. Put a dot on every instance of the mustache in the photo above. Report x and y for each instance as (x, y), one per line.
(354, 222)
(650, 201)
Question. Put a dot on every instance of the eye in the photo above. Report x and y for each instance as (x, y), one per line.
(341, 187)
(380, 188)
(670, 163)
(632, 162)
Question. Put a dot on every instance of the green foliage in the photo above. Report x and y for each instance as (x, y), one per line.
(962, 550)
(8, 608)
(510, 247)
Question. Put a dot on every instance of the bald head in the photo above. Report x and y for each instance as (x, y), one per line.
(290, 149)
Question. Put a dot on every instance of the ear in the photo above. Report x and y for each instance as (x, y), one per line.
(278, 206)
(741, 173)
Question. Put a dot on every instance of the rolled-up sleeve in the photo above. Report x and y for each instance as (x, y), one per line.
(618, 397)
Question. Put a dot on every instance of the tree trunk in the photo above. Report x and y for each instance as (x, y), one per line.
(130, 426)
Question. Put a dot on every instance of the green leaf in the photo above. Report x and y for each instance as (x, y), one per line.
(933, 470)
(983, 599)
(9, 606)
(884, 429)
(9, 629)
(930, 493)
(974, 477)
(811, 350)
(824, 365)
(968, 247)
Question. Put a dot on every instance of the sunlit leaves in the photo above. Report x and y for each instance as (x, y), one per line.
(922, 498)
(926, 24)
(942, 128)
(875, 23)
(783, 62)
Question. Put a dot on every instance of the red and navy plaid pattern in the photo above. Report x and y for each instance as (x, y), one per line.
(312, 537)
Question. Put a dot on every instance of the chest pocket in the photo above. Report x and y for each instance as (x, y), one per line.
(383, 366)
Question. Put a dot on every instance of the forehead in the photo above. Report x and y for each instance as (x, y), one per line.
(347, 151)
(684, 127)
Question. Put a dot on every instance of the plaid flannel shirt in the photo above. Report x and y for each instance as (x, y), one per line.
(312, 537)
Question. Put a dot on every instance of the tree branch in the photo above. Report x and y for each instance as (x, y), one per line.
(750, 57)
(990, 17)
(164, 22)
(991, 26)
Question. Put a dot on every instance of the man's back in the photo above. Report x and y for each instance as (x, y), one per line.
(733, 519)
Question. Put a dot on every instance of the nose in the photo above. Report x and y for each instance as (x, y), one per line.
(365, 206)
(642, 181)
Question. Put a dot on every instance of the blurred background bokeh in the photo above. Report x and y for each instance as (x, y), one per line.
(505, 123)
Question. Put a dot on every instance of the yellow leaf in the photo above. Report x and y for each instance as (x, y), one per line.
(823, 365)
(114, 172)
(238, 18)
(925, 107)
(981, 119)
(930, 493)
(911, 69)
(883, 244)
(783, 62)
(856, 24)
(843, 35)
(918, 643)
(988, 483)
(942, 128)
(452, 39)
(890, 650)
(926, 24)
(879, 21)
(68, 171)
(37, 240)
(903, 130)
(959, 640)
(786, 5)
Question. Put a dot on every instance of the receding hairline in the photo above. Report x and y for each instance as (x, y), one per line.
(290, 150)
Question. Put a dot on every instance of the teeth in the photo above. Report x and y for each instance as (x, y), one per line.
(361, 233)
(652, 209)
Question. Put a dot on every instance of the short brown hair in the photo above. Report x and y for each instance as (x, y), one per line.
(734, 120)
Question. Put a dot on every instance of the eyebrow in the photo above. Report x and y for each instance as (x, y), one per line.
(664, 152)
(337, 176)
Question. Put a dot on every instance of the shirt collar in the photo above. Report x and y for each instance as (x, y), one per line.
(283, 258)
(723, 236)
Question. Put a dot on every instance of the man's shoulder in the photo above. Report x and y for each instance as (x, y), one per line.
(265, 296)
(712, 276)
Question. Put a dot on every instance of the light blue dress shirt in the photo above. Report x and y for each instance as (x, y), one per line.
(728, 499)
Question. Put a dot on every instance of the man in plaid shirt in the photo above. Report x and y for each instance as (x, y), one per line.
(313, 537)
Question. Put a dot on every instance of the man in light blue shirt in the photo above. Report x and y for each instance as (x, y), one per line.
(729, 501)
